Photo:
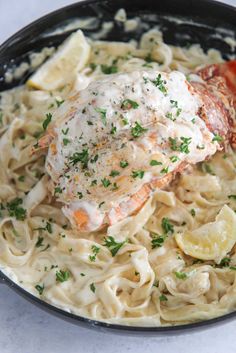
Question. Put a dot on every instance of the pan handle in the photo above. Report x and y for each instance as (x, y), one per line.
(2, 278)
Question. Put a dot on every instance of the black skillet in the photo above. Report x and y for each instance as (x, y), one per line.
(202, 21)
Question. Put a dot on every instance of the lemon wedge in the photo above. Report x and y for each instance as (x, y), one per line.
(212, 241)
(70, 57)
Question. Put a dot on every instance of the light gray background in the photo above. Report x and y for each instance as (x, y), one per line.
(26, 329)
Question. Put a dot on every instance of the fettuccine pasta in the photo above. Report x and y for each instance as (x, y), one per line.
(139, 271)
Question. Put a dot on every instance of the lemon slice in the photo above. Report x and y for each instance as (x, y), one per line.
(70, 57)
(212, 241)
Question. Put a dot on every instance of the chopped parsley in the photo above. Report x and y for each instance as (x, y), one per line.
(59, 103)
(113, 129)
(92, 287)
(47, 228)
(106, 182)
(217, 138)
(62, 276)
(92, 66)
(164, 170)
(128, 104)
(170, 116)
(158, 82)
(225, 262)
(167, 226)
(15, 210)
(107, 70)
(95, 250)
(181, 275)
(112, 245)
(21, 178)
(206, 168)
(154, 162)
(80, 195)
(174, 159)
(157, 240)
(82, 157)
(137, 130)
(65, 132)
(94, 159)
(183, 146)
(39, 242)
(57, 190)
(103, 113)
(163, 298)
(124, 164)
(125, 120)
(233, 197)
(138, 174)
(47, 121)
(39, 288)
(114, 173)
(193, 212)
(66, 141)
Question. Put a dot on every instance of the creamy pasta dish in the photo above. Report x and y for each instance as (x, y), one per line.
(118, 184)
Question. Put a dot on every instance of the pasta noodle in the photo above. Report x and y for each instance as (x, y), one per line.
(144, 283)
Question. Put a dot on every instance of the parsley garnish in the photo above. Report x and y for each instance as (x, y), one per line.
(39, 288)
(47, 121)
(158, 82)
(138, 174)
(112, 245)
(103, 113)
(39, 242)
(92, 66)
(128, 104)
(81, 157)
(167, 226)
(183, 146)
(58, 103)
(15, 210)
(113, 129)
(154, 162)
(62, 276)
(21, 178)
(170, 116)
(157, 240)
(95, 250)
(124, 164)
(107, 70)
(57, 190)
(106, 182)
(164, 170)
(225, 262)
(217, 138)
(92, 287)
(137, 130)
(181, 275)
(163, 298)
(80, 194)
(174, 159)
(207, 169)
(193, 212)
(65, 132)
(66, 141)
(233, 197)
(47, 228)
(114, 173)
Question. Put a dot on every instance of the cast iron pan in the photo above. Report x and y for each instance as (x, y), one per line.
(202, 21)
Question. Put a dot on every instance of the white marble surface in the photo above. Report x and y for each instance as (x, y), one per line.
(26, 329)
